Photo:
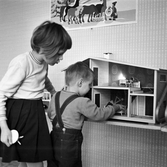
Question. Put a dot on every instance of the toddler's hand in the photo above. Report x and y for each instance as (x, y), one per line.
(121, 110)
(122, 107)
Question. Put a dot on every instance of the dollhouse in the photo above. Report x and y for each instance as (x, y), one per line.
(141, 89)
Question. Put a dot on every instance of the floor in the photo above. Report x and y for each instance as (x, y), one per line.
(14, 164)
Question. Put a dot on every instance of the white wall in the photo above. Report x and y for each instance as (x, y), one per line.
(18, 18)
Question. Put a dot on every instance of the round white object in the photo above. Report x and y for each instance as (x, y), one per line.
(15, 136)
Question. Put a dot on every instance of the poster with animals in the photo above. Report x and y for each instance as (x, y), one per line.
(79, 14)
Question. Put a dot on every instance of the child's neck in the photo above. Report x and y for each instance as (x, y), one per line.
(37, 56)
(72, 89)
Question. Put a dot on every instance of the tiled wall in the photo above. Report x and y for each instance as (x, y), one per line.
(116, 146)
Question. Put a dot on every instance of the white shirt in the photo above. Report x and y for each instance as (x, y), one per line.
(26, 78)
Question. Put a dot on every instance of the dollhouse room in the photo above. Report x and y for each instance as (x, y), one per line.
(127, 50)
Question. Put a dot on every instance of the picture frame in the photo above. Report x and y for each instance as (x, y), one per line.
(82, 14)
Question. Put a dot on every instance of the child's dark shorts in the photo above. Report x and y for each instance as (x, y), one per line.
(67, 147)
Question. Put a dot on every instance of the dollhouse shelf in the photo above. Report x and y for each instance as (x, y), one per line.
(159, 127)
(135, 125)
(142, 102)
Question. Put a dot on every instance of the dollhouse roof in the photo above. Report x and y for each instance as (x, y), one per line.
(124, 63)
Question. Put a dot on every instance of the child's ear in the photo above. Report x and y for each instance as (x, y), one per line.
(80, 81)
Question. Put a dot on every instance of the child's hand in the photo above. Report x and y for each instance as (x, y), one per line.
(121, 110)
(46, 96)
(6, 136)
(122, 107)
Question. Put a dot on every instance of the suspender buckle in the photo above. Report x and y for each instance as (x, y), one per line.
(64, 130)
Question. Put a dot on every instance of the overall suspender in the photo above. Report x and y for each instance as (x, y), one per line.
(59, 111)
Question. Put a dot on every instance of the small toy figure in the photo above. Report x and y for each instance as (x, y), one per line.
(111, 11)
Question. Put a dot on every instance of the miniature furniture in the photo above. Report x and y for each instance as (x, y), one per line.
(142, 89)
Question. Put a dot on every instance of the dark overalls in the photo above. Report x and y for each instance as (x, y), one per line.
(66, 142)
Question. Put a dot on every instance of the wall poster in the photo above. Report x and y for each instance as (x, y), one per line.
(79, 14)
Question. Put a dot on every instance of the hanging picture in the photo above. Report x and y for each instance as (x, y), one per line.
(79, 14)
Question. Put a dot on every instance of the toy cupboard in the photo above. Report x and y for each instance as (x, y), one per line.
(141, 89)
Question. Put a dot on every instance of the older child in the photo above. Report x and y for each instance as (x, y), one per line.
(21, 91)
(66, 135)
